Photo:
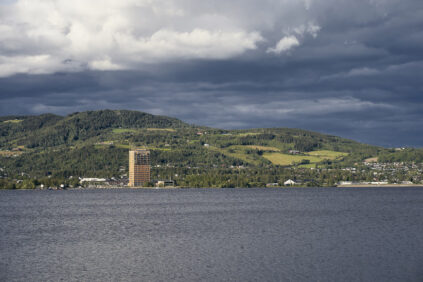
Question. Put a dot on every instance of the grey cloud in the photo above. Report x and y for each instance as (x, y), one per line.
(359, 77)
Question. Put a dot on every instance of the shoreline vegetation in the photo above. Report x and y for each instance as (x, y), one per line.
(178, 187)
(379, 185)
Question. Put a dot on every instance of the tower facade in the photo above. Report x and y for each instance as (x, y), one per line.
(139, 167)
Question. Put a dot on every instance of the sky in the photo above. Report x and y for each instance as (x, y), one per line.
(348, 68)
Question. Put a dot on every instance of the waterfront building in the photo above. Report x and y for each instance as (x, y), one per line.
(289, 182)
(165, 183)
(139, 167)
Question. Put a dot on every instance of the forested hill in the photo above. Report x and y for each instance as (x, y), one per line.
(96, 143)
(49, 130)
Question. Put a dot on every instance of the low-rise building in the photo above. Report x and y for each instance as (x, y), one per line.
(289, 182)
(165, 183)
(82, 180)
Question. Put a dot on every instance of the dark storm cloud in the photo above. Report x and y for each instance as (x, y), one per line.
(355, 72)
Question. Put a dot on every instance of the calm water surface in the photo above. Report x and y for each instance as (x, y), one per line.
(350, 234)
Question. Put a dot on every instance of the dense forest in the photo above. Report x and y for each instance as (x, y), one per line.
(96, 144)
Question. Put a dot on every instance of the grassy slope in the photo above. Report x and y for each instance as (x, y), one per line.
(327, 154)
(13, 121)
(287, 159)
(313, 157)
(263, 148)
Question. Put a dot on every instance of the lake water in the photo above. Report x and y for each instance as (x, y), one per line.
(310, 234)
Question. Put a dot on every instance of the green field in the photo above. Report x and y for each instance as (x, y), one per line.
(153, 148)
(123, 146)
(326, 154)
(249, 133)
(134, 130)
(161, 129)
(313, 157)
(237, 152)
(9, 153)
(274, 155)
(127, 146)
(262, 148)
(124, 130)
(13, 121)
(371, 160)
(286, 159)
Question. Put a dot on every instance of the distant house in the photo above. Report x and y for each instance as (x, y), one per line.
(165, 183)
(118, 182)
(289, 182)
(294, 152)
(379, 182)
(272, 184)
(92, 180)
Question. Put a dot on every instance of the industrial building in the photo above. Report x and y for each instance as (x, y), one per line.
(139, 167)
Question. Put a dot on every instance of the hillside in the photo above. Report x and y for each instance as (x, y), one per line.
(96, 143)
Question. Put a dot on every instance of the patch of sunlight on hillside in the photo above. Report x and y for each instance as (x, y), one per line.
(13, 121)
(327, 154)
(161, 129)
(262, 148)
(123, 130)
(285, 159)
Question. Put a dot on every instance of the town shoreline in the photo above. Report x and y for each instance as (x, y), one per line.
(378, 185)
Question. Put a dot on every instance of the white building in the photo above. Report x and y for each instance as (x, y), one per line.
(93, 180)
(289, 182)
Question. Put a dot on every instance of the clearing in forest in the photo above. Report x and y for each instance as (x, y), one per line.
(286, 159)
